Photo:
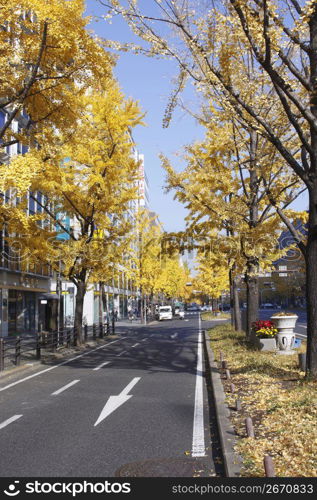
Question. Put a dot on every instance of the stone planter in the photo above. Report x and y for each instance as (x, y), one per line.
(285, 336)
(266, 344)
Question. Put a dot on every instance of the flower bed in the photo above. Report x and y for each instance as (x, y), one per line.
(282, 405)
(264, 329)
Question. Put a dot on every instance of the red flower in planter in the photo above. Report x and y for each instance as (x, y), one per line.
(257, 325)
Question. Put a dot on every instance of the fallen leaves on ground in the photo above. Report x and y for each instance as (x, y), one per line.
(281, 403)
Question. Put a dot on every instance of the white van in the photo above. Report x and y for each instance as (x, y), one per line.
(165, 312)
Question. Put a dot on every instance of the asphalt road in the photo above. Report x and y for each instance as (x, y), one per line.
(139, 398)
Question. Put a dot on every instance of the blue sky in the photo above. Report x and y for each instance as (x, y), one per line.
(149, 81)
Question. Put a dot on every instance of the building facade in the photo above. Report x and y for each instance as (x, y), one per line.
(24, 288)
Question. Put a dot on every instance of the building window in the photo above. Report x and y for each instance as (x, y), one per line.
(39, 200)
(19, 144)
(31, 204)
(282, 268)
(2, 119)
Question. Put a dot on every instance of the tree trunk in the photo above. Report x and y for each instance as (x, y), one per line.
(311, 248)
(145, 309)
(79, 308)
(142, 306)
(234, 302)
(100, 303)
(311, 288)
(236, 306)
(104, 297)
(252, 284)
(251, 275)
(232, 309)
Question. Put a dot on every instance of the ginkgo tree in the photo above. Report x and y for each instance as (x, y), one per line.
(279, 37)
(158, 270)
(173, 278)
(47, 58)
(90, 177)
(147, 257)
(212, 277)
(225, 189)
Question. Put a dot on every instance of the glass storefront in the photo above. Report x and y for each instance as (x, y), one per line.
(21, 312)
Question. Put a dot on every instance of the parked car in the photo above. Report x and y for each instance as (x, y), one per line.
(165, 312)
(268, 305)
(225, 307)
(193, 308)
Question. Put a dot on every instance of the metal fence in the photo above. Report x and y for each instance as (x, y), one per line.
(30, 347)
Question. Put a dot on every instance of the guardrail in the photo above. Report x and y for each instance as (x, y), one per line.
(28, 347)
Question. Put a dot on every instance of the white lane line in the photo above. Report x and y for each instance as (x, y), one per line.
(120, 353)
(136, 344)
(60, 364)
(143, 340)
(198, 444)
(100, 366)
(115, 401)
(9, 421)
(62, 389)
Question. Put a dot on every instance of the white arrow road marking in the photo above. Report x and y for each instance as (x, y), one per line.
(62, 389)
(174, 336)
(100, 366)
(115, 401)
(9, 421)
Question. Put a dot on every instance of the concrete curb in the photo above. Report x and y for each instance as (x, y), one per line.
(232, 461)
(8, 373)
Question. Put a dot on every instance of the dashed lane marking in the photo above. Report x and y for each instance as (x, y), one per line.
(62, 389)
(10, 420)
(60, 364)
(120, 353)
(101, 366)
